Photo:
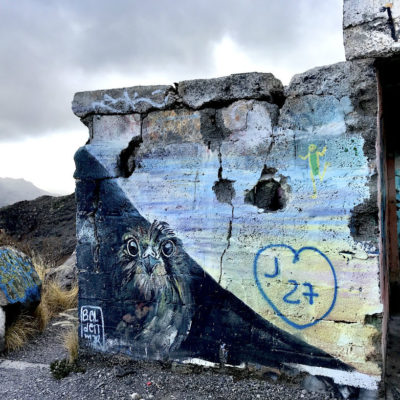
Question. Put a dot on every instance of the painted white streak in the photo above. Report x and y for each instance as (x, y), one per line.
(109, 103)
(204, 363)
(199, 361)
(21, 365)
(352, 378)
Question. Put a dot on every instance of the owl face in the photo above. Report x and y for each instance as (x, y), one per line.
(147, 257)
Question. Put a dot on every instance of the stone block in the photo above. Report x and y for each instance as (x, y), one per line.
(171, 127)
(202, 92)
(115, 127)
(340, 80)
(367, 32)
(137, 99)
(349, 103)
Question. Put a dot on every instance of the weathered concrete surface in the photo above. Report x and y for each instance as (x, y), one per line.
(358, 97)
(259, 199)
(115, 128)
(137, 99)
(366, 29)
(202, 92)
(337, 92)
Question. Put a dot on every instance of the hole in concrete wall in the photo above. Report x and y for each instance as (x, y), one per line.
(224, 190)
(268, 194)
(127, 162)
(364, 220)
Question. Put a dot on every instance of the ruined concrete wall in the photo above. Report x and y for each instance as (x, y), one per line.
(231, 221)
(371, 28)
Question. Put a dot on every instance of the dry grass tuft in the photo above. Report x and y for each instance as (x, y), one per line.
(20, 331)
(71, 344)
(42, 316)
(54, 299)
(57, 299)
(40, 267)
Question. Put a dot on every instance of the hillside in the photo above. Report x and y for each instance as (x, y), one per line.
(46, 225)
(13, 190)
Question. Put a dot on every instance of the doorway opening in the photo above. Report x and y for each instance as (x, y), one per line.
(389, 145)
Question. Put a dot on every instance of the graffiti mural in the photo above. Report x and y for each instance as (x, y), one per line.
(92, 325)
(174, 303)
(202, 239)
(19, 281)
(313, 160)
(303, 290)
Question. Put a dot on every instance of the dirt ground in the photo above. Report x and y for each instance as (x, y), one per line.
(25, 374)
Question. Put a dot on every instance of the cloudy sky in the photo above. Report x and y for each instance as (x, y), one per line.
(51, 49)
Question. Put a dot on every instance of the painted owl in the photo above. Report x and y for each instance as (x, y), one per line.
(154, 274)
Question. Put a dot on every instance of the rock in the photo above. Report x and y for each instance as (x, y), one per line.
(366, 394)
(19, 282)
(20, 285)
(2, 328)
(135, 396)
(137, 99)
(313, 384)
(46, 226)
(201, 92)
(65, 275)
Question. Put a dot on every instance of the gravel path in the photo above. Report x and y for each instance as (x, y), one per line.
(25, 374)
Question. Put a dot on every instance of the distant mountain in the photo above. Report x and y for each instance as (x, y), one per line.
(13, 190)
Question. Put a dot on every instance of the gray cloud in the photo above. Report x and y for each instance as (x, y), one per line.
(52, 49)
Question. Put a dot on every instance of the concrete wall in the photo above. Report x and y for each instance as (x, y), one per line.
(230, 221)
(368, 31)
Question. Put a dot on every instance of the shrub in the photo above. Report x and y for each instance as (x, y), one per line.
(18, 333)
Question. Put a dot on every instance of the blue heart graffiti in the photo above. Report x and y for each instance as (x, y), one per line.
(286, 298)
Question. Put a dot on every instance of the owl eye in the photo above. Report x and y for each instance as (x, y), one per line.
(132, 247)
(168, 248)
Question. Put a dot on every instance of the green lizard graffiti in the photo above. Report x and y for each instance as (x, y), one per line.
(313, 160)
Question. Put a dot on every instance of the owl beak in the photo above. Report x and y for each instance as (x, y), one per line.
(150, 259)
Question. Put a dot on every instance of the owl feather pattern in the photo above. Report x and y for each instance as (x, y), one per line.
(153, 268)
